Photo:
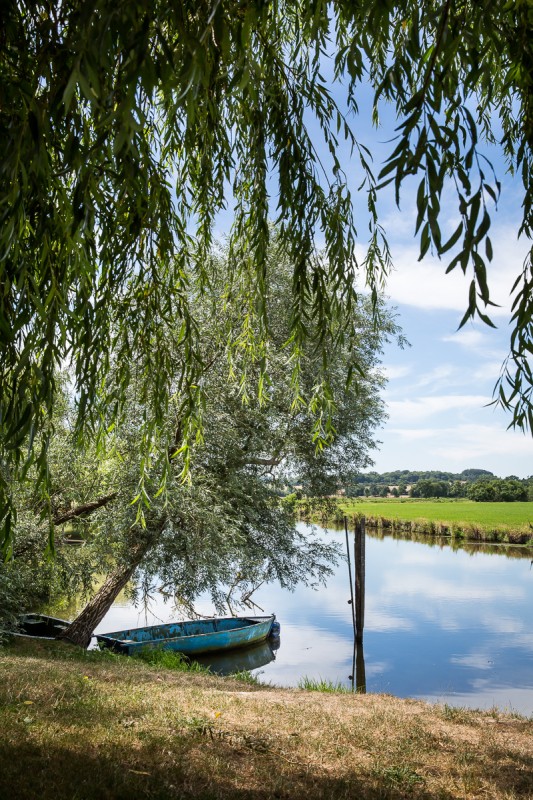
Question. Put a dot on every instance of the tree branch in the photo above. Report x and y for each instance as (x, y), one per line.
(83, 510)
(437, 46)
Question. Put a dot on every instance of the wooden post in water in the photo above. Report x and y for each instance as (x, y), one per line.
(350, 601)
(359, 549)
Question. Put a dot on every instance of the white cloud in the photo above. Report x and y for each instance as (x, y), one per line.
(394, 372)
(468, 442)
(479, 342)
(413, 410)
(474, 661)
(438, 375)
(505, 698)
(524, 640)
(416, 585)
(412, 434)
(377, 668)
(489, 369)
(426, 285)
(508, 625)
(467, 338)
(417, 557)
(380, 620)
(489, 446)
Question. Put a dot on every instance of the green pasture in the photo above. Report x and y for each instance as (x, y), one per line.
(513, 515)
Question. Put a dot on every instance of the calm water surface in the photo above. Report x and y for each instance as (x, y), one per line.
(440, 625)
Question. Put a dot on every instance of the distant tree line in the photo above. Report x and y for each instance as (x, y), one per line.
(507, 490)
(474, 484)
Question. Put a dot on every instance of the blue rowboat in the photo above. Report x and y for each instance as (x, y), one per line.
(194, 636)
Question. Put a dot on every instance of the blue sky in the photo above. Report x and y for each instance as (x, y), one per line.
(439, 388)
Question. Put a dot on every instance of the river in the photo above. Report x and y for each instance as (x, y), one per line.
(443, 625)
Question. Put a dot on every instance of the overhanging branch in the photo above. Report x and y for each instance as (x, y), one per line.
(83, 510)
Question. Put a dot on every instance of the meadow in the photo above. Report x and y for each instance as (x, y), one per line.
(513, 515)
(510, 523)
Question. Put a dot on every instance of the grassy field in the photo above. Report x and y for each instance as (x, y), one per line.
(513, 515)
(494, 523)
(87, 726)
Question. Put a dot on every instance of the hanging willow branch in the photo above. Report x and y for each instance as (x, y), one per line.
(126, 128)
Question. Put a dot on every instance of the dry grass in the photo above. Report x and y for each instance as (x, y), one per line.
(85, 726)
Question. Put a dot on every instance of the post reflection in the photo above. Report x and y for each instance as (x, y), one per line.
(358, 676)
(360, 673)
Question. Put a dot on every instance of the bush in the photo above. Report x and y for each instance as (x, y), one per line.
(498, 490)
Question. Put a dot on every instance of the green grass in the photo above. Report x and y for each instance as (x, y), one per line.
(464, 520)
(322, 685)
(170, 659)
(399, 778)
(513, 515)
(245, 676)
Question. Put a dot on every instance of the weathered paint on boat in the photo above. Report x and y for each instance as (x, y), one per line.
(194, 636)
(40, 626)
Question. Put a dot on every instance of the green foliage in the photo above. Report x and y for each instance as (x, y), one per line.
(225, 530)
(399, 778)
(245, 676)
(508, 490)
(322, 685)
(432, 483)
(30, 579)
(13, 586)
(122, 125)
(405, 476)
(475, 474)
(428, 488)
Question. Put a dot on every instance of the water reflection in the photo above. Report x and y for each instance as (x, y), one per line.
(242, 660)
(443, 624)
(360, 672)
(358, 676)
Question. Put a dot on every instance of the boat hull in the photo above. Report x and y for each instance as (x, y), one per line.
(192, 637)
(40, 626)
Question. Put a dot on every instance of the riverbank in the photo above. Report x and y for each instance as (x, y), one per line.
(88, 725)
(508, 523)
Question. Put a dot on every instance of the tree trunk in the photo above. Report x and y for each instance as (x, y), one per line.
(81, 629)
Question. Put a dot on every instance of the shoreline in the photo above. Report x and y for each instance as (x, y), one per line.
(81, 724)
(413, 524)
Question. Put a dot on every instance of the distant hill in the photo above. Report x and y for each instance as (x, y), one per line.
(413, 476)
(476, 484)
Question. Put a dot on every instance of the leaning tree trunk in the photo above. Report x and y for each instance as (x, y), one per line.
(81, 629)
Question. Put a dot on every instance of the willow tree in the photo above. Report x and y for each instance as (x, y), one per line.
(127, 127)
(225, 531)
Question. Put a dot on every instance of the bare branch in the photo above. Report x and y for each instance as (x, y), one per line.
(83, 510)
